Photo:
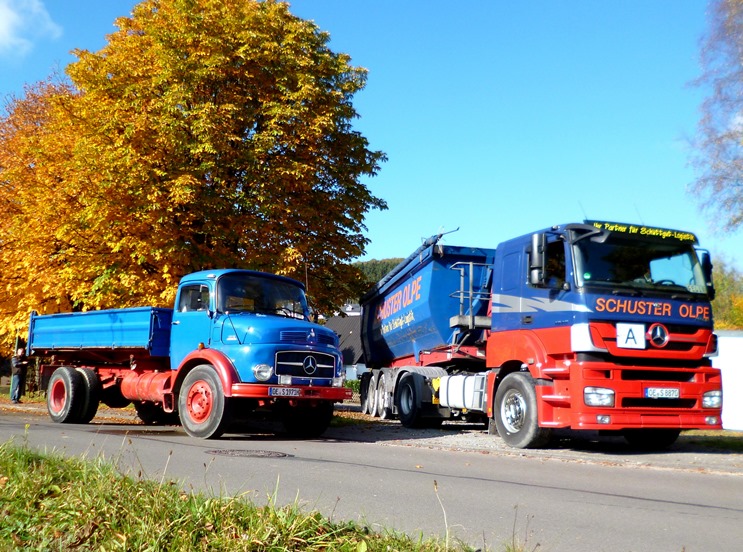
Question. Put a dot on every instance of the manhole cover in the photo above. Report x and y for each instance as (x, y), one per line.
(248, 453)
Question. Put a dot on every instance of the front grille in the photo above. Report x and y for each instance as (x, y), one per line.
(658, 403)
(305, 364)
(657, 375)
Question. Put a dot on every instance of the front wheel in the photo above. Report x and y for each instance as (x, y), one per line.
(65, 395)
(202, 406)
(516, 414)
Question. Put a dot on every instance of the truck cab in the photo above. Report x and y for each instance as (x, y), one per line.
(612, 325)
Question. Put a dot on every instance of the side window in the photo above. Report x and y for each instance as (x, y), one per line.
(555, 269)
(193, 297)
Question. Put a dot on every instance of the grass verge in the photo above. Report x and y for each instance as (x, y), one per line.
(51, 502)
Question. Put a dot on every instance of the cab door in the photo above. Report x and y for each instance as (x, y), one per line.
(192, 321)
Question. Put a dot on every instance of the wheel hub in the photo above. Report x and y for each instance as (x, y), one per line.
(513, 412)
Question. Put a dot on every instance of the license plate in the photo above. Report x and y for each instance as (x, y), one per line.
(284, 392)
(662, 393)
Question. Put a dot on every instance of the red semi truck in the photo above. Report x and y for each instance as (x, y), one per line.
(238, 344)
(590, 326)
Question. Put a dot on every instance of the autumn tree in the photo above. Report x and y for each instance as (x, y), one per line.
(206, 133)
(718, 148)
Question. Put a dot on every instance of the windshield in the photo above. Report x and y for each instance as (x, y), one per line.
(640, 265)
(252, 293)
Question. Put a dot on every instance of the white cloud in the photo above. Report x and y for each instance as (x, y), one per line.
(22, 22)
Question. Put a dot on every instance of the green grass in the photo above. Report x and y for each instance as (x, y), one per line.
(50, 502)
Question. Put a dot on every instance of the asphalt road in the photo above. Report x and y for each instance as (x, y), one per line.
(586, 496)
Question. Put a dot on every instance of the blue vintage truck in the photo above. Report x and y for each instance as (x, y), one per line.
(238, 344)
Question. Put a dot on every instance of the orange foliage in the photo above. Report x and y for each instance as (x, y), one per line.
(207, 133)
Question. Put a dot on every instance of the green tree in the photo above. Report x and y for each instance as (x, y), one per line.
(718, 147)
(206, 133)
(374, 270)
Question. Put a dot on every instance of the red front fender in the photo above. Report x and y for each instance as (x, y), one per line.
(224, 367)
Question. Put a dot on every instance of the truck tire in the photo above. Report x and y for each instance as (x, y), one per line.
(202, 406)
(91, 395)
(408, 401)
(371, 395)
(304, 421)
(651, 439)
(516, 414)
(384, 408)
(364, 392)
(64, 396)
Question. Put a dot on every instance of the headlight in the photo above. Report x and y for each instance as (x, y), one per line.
(262, 372)
(598, 396)
(712, 399)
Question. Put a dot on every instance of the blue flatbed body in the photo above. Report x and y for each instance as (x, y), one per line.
(139, 331)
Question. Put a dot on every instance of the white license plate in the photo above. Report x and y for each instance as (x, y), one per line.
(284, 392)
(662, 393)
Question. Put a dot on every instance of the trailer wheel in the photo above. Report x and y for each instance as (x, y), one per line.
(371, 395)
(364, 392)
(516, 413)
(64, 396)
(202, 406)
(91, 395)
(384, 409)
(651, 439)
(306, 421)
(408, 401)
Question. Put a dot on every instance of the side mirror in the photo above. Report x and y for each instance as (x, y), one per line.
(537, 259)
(706, 260)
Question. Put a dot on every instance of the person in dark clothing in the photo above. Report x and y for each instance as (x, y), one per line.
(18, 368)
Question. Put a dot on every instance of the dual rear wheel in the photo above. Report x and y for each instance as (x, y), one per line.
(73, 395)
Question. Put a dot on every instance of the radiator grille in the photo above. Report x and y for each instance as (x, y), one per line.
(305, 364)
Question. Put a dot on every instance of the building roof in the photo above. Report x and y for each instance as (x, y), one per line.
(348, 329)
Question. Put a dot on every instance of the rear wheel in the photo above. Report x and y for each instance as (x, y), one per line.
(91, 395)
(408, 401)
(651, 439)
(364, 392)
(384, 409)
(202, 406)
(371, 395)
(516, 413)
(65, 395)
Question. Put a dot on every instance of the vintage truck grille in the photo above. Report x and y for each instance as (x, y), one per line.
(305, 364)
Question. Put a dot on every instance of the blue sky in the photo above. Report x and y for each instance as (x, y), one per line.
(498, 117)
